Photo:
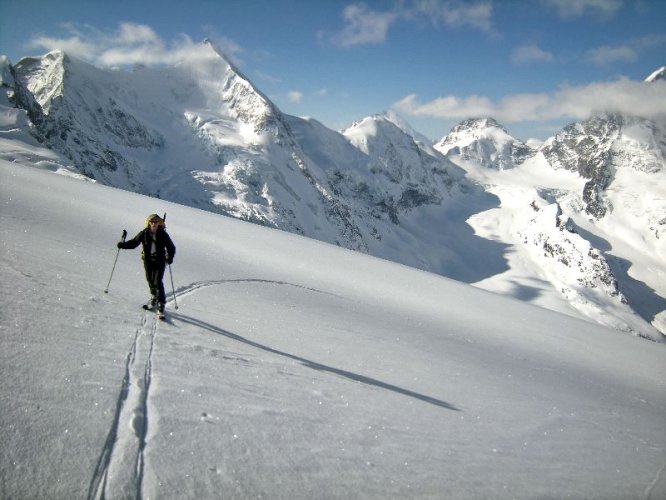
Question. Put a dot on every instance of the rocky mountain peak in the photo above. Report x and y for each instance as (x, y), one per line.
(485, 141)
(596, 148)
(43, 77)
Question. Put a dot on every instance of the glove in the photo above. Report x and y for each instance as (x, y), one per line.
(120, 244)
(169, 260)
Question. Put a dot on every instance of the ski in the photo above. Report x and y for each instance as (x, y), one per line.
(154, 308)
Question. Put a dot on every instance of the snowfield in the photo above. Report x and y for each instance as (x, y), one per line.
(294, 369)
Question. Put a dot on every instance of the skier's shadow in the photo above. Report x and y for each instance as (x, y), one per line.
(316, 366)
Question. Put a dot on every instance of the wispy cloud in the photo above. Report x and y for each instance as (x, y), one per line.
(294, 96)
(606, 55)
(578, 103)
(531, 53)
(364, 25)
(452, 13)
(627, 52)
(266, 77)
(129, 44)
(568, 9)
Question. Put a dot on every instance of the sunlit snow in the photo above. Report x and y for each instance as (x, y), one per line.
(294, 369)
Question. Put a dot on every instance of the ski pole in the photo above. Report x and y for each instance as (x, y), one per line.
(124, 235)
(175, 302)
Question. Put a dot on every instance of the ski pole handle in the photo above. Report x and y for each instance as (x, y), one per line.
(124, 235)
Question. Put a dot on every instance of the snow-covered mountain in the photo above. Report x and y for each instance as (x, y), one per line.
(484, 141)
(604, 145)
(585, 213)
(659, 74)
(201, 134)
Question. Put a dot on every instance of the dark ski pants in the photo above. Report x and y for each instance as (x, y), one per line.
(154, 276)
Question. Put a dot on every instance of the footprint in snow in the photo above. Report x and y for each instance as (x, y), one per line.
(209, 419)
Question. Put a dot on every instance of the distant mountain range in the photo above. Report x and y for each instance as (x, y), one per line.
(577, 224)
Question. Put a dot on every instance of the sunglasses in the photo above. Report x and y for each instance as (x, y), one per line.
(154, 222)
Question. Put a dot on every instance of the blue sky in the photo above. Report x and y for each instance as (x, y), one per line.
(534, 65)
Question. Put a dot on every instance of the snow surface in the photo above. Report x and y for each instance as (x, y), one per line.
(294, 369)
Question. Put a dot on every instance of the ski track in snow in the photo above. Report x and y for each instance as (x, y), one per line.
(193, 287)
(657, 487)
(121, 464)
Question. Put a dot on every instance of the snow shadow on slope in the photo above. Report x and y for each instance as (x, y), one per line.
(317, 366)
(477, 258)
(641, 298)
(523, 292)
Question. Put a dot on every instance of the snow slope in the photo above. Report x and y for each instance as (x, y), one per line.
(294, 369)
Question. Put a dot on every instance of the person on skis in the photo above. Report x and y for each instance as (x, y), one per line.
(158, 251)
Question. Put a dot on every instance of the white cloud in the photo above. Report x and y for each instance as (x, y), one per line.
(576, 8)
(649, 41)
(531, 53)
(72, 45)
(627, 52)
(606, 55)
(131, 33)
(577, 103)
(294, 96)
(364, 25)
(266, 77)
(129, 44)
(454, 13)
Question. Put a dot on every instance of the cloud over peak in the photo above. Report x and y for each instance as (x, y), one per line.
(129, 44)
(567, 102)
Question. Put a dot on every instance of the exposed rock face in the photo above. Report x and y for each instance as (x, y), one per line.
(599, 146)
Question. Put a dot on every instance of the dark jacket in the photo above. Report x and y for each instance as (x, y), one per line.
(164, 247)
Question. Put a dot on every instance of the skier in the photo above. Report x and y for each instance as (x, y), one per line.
(158, 250)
